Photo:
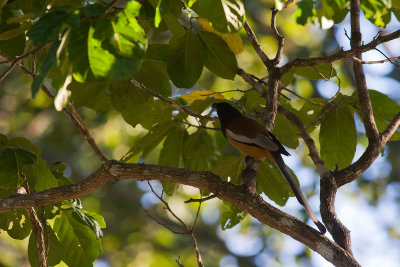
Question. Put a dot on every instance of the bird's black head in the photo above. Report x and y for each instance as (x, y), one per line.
(224, 108)
(226, 113)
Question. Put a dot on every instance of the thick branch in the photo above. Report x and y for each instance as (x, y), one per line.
(340, 55)
(361, 84)
(238, 195)
(328, 186)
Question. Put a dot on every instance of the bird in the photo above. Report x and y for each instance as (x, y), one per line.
(253, 139)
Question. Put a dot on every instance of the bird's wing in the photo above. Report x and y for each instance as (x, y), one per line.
(260, 140)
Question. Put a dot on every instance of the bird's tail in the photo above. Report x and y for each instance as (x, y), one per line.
(296, 190)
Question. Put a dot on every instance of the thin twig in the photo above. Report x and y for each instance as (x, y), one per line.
(286, 4)
(37, 227)
(178, 260)
(256, 45)
(322, 115)
(191, 200)
(189, 230)
(391, 59)
(253, 81)
(340, 55)
(167, 206)
(163, 224)
(201, 126)
(169, 102)
(278, 37)
(387, 58)
(228, 91)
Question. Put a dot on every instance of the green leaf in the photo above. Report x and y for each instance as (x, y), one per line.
(185, 59)
(385, 109)
(18, 224)
(48, 63)
(25, 143)
(47, 27)
(94, 95)
(156, 52)
(12, 160)
(273, 184)
(229, 166)
(138, 107)
(148, 142)
(117, 47)
(317, 72)
(55, 250)
(383, 105)
(231, 216)
(287, 78)
(286, 132)
(220, 59)
(338, 138)
(199, 151)
(169, 188)
(88, 220)
(78, 51)
(224, 15)
(154, 75)
(304, 11)
(171, 151)
(80, 244)
(39, 176)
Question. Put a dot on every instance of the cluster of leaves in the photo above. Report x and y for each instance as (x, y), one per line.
(328, 12)
(73, 233)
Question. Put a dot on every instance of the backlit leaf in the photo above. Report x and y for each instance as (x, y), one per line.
(338, 138)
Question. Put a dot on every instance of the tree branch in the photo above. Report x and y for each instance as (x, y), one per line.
(256, 45)
(339, 232)
(249, 202)
(361, 84)
(340, 55)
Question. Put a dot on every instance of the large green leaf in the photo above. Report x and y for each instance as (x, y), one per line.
(224, 15)
(185, 59)
(39, 176)
(16, 223)
(47, 27)
(78, 51)
(229, 166)
(94, 95)
(86, 218)
(148, 142)
(384, 109)
(138, 107)
(13, 36)
(12, 160)
(220, 59)
(171, 151)
(170, 154)
(231, 216)
(286, 132)
(80, 244)
(338, 138)
(153, 74)
(273, 184)
(48, 63)
(117, 47)
(199, 151)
